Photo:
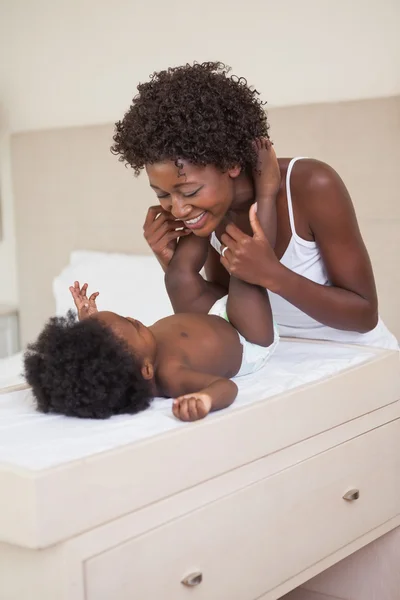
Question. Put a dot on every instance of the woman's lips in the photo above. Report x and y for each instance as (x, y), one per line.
(197, 222)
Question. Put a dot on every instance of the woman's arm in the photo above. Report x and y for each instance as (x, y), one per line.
(350, 303)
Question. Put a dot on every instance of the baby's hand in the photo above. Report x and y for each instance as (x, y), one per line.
(85, 306)
(192, 407)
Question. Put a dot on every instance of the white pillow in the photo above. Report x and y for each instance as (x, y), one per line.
(130, 285)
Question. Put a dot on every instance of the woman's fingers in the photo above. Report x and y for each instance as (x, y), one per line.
(152, 214)
(159, 228)
(226, 253)
(155, 218)
(235, 233)
(228, 242)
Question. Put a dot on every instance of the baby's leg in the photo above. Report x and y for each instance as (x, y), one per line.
(248, 306)
(249, 311)
(267, 179)
(187, 289)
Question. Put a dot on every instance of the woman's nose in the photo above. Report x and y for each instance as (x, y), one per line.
(179, 209)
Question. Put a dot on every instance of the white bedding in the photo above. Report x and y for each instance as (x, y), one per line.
(35, 441)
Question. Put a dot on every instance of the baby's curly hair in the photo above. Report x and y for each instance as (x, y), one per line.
(81, 369)
(195, 112)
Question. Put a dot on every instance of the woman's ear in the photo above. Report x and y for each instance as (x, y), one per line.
(235, 171)
(147, 370)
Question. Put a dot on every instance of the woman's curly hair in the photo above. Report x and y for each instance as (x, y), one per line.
(195, 112)
(81, 369)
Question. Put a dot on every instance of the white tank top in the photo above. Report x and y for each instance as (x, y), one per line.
(304, 258)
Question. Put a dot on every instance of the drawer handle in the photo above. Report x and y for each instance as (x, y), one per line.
(352, 495)
(193, 579)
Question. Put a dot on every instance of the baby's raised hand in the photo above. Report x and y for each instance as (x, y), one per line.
(84, 305)
(192, 407)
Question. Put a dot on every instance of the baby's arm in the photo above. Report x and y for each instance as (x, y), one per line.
(187, 289)
(196, 394)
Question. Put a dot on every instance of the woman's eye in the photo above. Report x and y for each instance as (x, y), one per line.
(163, 196)
(191, 194)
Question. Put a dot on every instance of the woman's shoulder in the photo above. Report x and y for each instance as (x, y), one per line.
(312, 179)
(309, 172)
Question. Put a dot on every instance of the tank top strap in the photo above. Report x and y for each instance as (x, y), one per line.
(215, 243)
(289, 195)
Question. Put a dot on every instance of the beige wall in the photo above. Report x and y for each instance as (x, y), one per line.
(72, 193)
(78, 62)
(361, 140)
(8, 261)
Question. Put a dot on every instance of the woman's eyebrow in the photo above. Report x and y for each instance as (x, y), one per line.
(177, 185)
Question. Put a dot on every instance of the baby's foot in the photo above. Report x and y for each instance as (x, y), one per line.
(267, 174)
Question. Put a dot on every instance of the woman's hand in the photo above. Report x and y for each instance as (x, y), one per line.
(161, 232)
(85, 306)
(250, 259)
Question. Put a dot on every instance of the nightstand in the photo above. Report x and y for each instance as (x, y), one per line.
(9, 340)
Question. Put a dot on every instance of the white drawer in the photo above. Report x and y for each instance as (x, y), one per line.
(250, 542)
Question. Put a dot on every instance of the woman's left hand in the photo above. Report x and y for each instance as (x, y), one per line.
(250, 259)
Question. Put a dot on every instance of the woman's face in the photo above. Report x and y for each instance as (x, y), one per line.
(199, 196)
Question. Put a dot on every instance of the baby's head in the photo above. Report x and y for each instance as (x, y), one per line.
(94, 368)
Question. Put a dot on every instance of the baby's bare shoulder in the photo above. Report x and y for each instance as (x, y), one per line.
(169, 375)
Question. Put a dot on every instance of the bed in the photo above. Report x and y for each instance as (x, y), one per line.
(300, 473)
(146, 506)
(244, 505)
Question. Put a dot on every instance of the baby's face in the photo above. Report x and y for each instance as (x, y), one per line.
(134, 333)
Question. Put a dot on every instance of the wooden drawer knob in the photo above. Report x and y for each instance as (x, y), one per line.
(193, 579)
(352, 495)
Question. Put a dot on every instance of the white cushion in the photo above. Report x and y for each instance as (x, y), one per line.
(129, 285)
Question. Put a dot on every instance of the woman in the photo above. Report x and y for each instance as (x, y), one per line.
(193, 129)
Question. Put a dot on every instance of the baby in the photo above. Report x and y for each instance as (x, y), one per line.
(104, 364)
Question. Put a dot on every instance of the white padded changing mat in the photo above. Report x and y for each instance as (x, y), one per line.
(35, 441)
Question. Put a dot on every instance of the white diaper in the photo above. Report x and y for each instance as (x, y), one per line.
(254, 357)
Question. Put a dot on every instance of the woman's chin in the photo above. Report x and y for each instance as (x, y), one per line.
(204, 232)
(209, 226)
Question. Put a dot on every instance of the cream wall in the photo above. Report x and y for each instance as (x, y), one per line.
(77, 62)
